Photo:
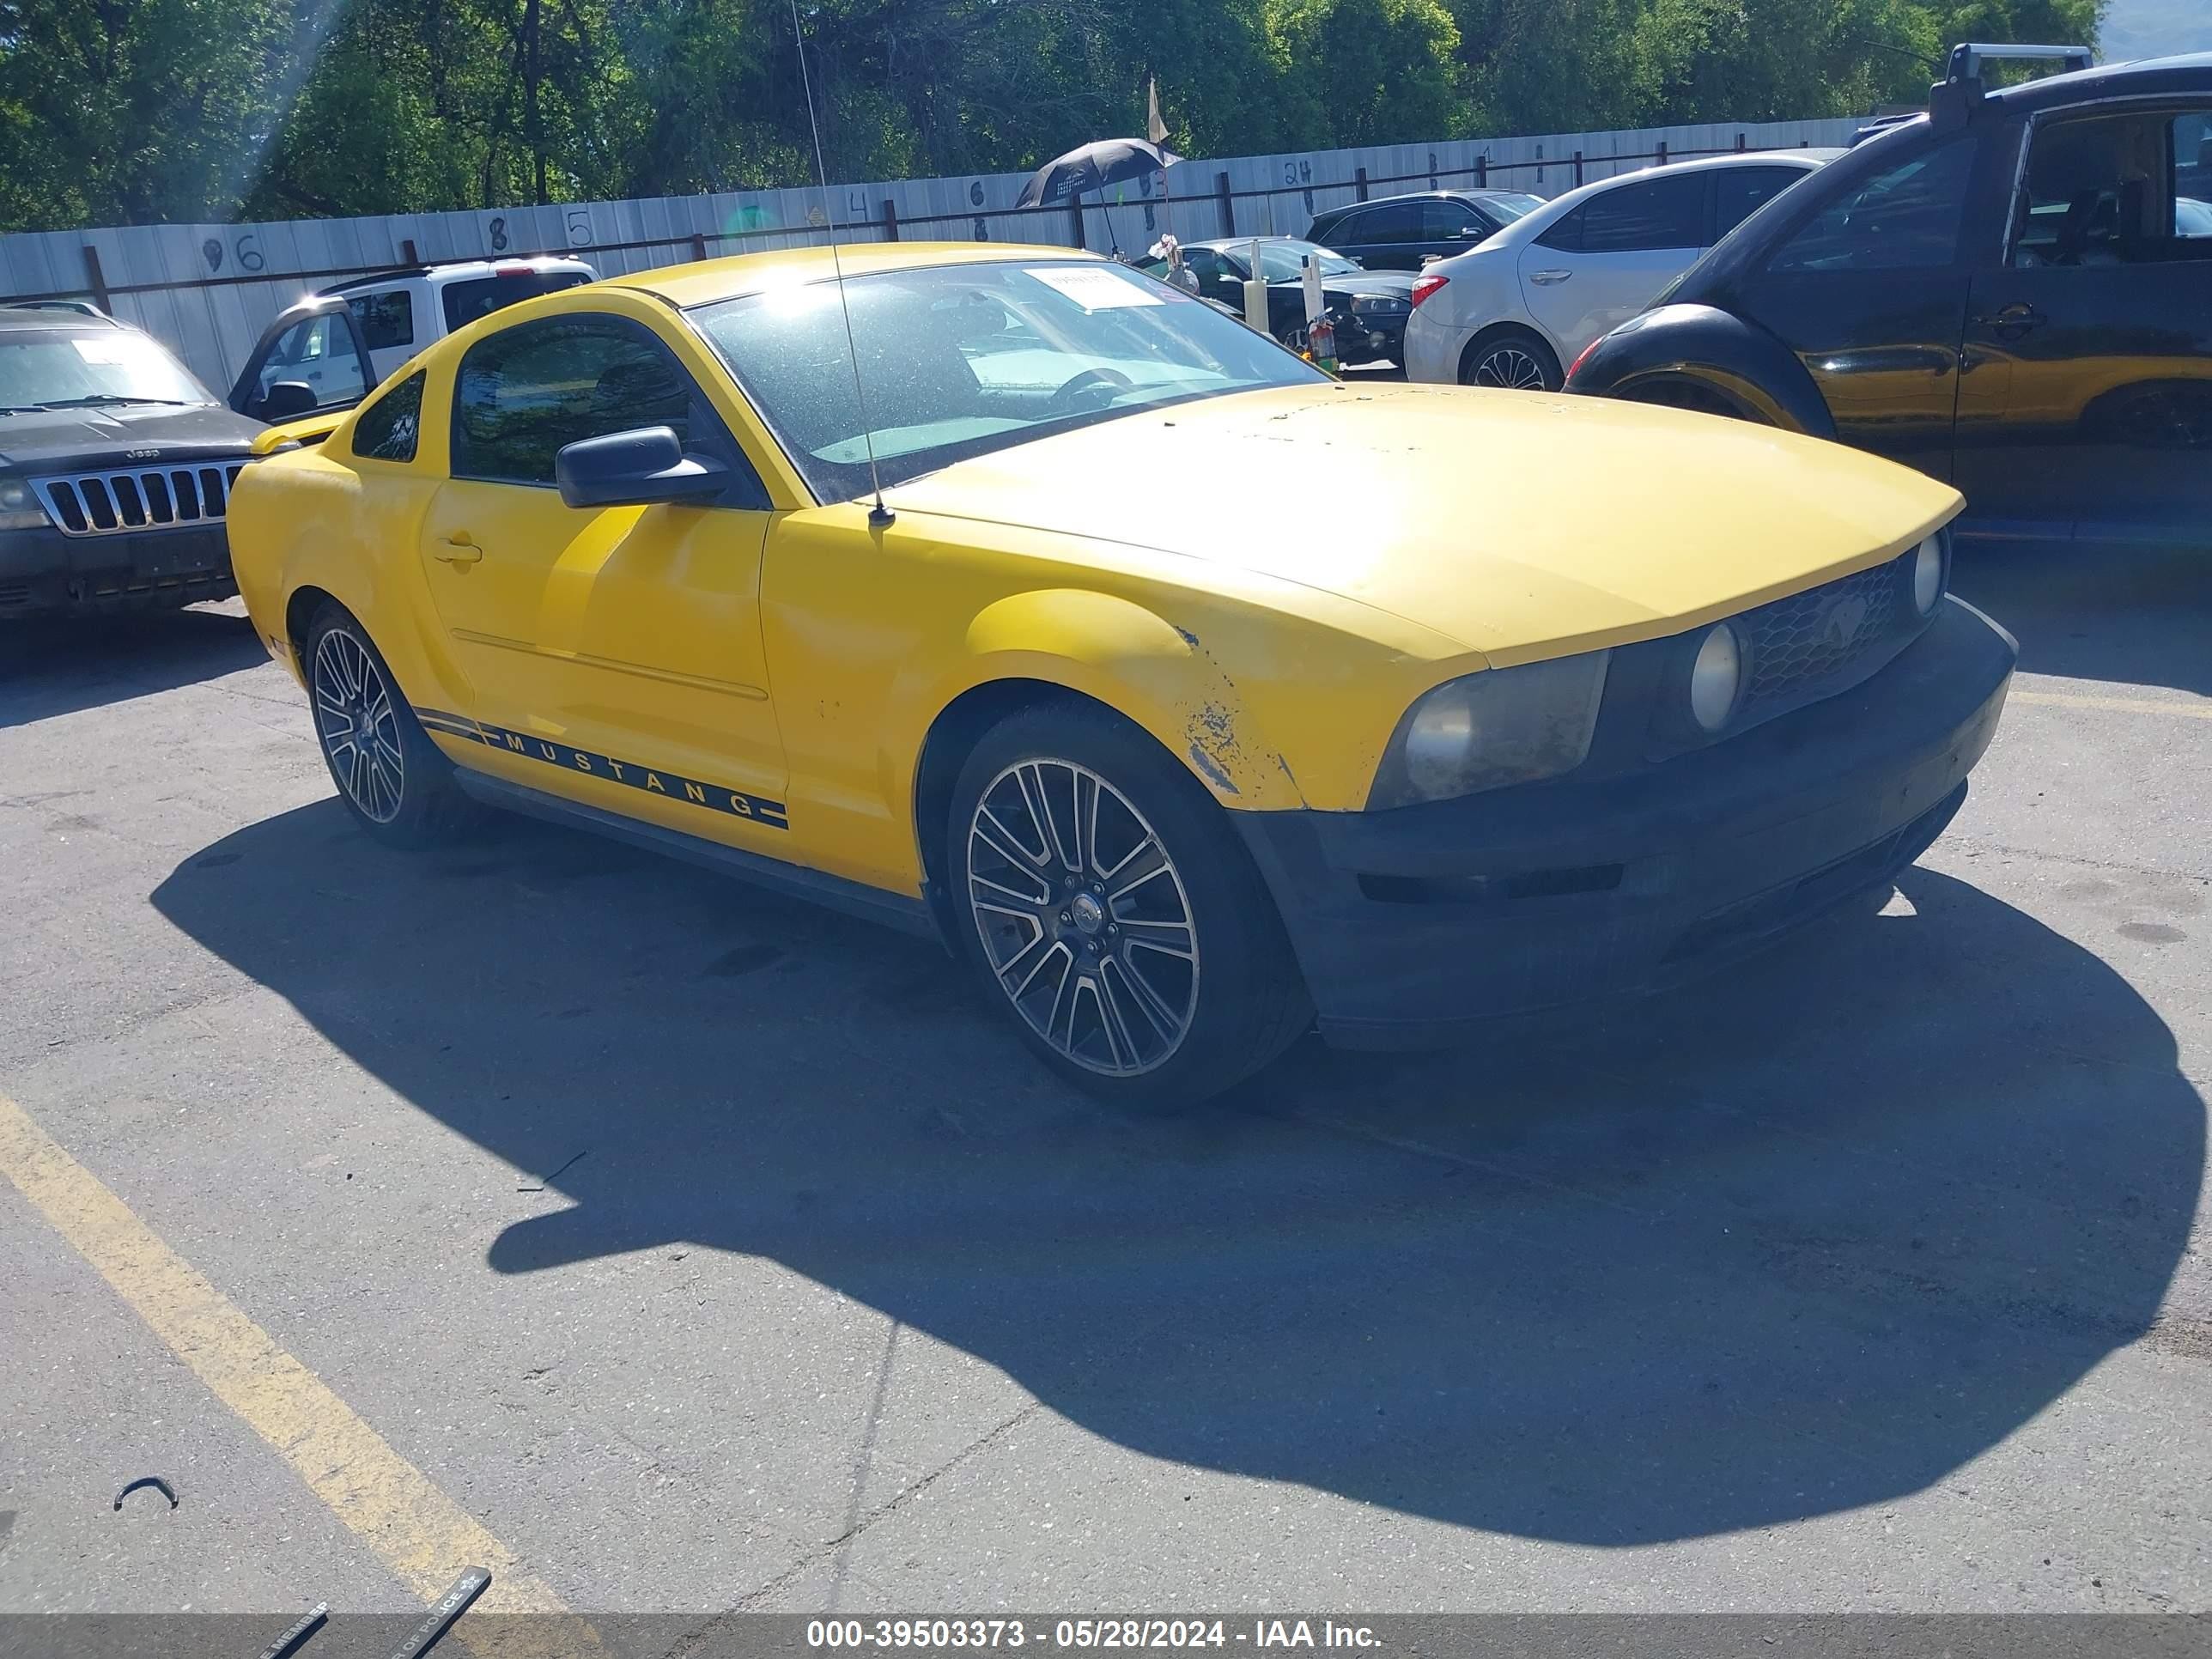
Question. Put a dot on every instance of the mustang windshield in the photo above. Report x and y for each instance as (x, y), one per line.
(960, 360)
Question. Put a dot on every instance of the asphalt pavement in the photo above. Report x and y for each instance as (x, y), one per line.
(695, 1250)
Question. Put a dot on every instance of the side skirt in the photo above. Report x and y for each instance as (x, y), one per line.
(911, 916)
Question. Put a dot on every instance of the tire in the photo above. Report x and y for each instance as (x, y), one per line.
(1155, 990)
(1513, 358)
(397, 787)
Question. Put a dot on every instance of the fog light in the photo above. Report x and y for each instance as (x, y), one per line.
(1714, 679)
(1927, 575)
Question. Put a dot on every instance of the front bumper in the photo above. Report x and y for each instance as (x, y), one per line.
(1412, 924)
(43, 571)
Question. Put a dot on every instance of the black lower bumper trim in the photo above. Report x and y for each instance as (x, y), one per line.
(43, 571)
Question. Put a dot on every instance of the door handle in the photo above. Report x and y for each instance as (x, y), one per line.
(1548, 277)
(2021, 316)
(456, 549)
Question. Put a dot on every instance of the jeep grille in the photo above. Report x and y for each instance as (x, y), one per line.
(139, 499)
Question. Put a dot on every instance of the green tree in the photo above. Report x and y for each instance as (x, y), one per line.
(141, 110)
(1365, 71)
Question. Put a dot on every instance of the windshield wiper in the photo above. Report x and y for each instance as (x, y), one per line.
(116, 397)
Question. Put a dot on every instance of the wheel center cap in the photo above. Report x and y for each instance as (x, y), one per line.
(1087, 913)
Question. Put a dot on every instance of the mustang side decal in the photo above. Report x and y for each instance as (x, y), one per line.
(653, 780)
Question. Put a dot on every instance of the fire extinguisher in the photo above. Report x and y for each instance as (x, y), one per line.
(1321, 343)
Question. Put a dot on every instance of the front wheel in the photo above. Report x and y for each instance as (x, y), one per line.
(1112, 912)
(1512, 358)
(390, 775)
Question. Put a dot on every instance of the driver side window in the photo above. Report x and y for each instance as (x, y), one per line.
(524, 393)
(1906, 218)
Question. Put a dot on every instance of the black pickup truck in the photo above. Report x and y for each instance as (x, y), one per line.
(115, 468)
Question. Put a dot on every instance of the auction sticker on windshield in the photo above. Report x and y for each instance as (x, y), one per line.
(1095, 288)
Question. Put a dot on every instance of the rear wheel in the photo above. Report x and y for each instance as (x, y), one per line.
(1513, 358)
(389, 773)
(1111, 911)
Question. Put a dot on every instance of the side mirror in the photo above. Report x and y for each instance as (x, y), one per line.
(288, 400)
(642, 467)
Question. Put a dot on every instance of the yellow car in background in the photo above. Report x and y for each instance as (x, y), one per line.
(1189, 695)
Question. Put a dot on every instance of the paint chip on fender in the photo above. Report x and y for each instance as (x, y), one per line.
(1212, 768)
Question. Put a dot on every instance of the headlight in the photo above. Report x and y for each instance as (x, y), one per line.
(1927, 575)
(19, 506)
(1487, 730)
(1714, 677)
(1364, 303)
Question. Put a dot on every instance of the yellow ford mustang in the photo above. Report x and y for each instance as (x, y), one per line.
(1190, 695)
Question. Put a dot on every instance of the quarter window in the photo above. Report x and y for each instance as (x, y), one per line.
(1907, 218)
(1566, 235)
(524, 393)
(388, 429)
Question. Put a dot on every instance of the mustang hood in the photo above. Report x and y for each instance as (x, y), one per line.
(1524, 525)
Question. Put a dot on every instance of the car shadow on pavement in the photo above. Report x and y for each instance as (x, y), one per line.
(1807, 1236)
(59, 666)
(2134, 616)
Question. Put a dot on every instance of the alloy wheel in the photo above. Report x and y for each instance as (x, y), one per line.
(359, 727)
(1083, 917)
(1509, 367)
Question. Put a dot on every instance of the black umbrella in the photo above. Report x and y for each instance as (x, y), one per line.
(1091, 166)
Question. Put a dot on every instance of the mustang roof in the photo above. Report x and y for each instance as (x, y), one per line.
(748, 273)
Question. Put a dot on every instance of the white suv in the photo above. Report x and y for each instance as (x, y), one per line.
(331, 350)
(1519, 309)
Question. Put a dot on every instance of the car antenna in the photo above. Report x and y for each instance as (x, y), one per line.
(878, 515)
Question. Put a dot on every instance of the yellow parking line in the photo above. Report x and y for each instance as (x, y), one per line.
(2194, 711)
(418, 1532)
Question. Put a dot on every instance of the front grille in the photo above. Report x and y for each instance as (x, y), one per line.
(1800, 647)
(139, 499)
